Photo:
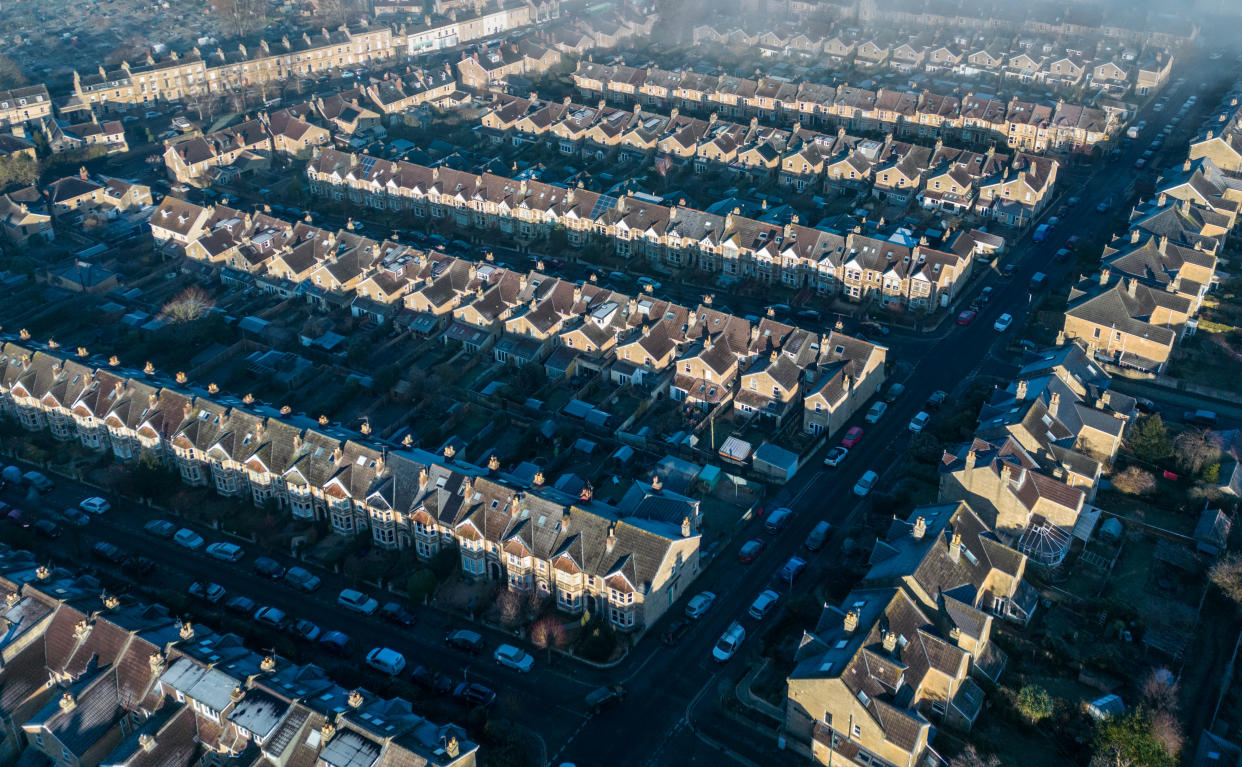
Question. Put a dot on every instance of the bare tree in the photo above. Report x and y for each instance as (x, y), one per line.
(1195, 449)
(1226, 575)
(1168, 731)
(243, 16)
(970, 757)
(1135, 481)
(189, 305)
(548, 633)
(510, 605)
(1160, 690)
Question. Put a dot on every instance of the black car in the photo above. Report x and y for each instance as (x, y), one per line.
(269, 567)
(395, 613)
(475, 694)
(433, 681)
(464, 639)
(242, 605)
(108, 552)
(48, 529)
(676, 630)
(138, 566)
(603, 698)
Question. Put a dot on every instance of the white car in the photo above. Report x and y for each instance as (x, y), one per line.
(95, 505)
(865, 483)
(729, 642)
(1002, 323)
(225, 552)
(919, 421)
(356, 601)
(189, 539)
(763, 604)
(386, 660)
(876, 412)
(835, 456)
(700, 604)
(514, 657)
(272, 616)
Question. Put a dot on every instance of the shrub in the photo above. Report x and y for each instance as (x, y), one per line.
(1034, 703)
(1135, 481)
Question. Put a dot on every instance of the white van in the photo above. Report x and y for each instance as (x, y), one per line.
(777, 520)
(386, 660)
(729, 642)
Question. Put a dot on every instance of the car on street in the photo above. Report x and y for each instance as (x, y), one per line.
(304, 629)
(1007, 270)
(1105, 205)
(19, 518)
(894, 392)
(475, 694)
(985, 295)
(225, 552)
(966, 316)
(852, 437)
(751, 550)
(700, 604)
(465, 639)
(432, 681)
(356, 601)
(777, 520)
(937, 399)
(76, 517)
(1140, 162)
(48, 529)
(675, 631)
(763, 604)
(335, 642)
(513, 657)
(211, 592)
(240, 604)
(269, 568)
(602, 698)
(727, 646)
(647, 282)
(396, 614)
(302, 579)
(160, 528)
(1062, 254)
(792, 569)
(271, 616)
(137, 567)
(865, 483)
(38, 481)
(1002, 323)
(835, 456)
(95, 505)
(1041, 233)
(875, 412)
(188, 538)
(108, 552)
(919, 422)
(386, 660)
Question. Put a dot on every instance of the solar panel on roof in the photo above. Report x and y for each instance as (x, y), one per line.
(367, 162)
(603, 205)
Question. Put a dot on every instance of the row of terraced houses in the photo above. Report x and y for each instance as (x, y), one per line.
(974, 118)
(629, 561)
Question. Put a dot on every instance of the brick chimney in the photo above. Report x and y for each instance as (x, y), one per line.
(850, 624)
(955, 547)
(920, 529)
(1054, 404)
(1021, 391)
(890, 642)
(970, 459)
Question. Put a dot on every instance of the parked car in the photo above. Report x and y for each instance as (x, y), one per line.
(304, 629)
(225, 552)
(815, 539)
(386, 660)
(875, 412)
(852, 437)
(919, 421)
(19, 518)
(95, 505)
(675, 631)
(763, 604)
(302, 579)
(271, 616)
(137, 567)
(211, 592)
(465, 639)
(602, 698)
(835, 456)
(865, 483)
(475, 694)
(48, 529)
(269, 568)
(38, 481)
(513, 657)
(76, 517)
(109, 552)
(792, 569)
(356, 601)
(240, 604)
(699, 604)
(894, 393)
(727, 646)
(335, 642)
(1200, 417)
(647, 282)
(777, 520)
(1002, 323)
(937, 399)
(433, 681)
(188, 538)
(160, 528)
(751, 550)
(395, 613)
(966, 317)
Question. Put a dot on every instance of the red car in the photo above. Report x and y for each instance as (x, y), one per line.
(751, 550)
(852, 437)
(966, 317)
